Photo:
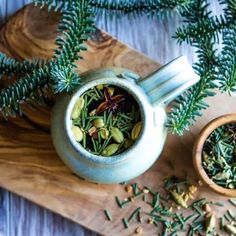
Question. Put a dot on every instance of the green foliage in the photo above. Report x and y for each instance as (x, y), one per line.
(201, 30)
(189, 105)
(157, 8)
(27, 87)
(64, 79)
(10, 66)
(74, 28)
(194, 32)
(227, 61)
(55, 5)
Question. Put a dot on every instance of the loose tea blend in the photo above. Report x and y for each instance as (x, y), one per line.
(198, 216)
(219, 156)
(106, 120)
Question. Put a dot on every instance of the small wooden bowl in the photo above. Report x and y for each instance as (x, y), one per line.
(197, 153)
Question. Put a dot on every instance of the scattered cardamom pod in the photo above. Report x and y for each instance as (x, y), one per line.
(178, 198)
(104, 133)
(210, 222)
(98, 123)
(136, 130)
(110, 149)
(77, 108)
(230, 229)
(78, 134)
(117, 135)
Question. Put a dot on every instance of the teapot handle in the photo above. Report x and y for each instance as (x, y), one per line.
(166, 83)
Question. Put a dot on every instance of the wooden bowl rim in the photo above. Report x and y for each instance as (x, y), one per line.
(197, 153)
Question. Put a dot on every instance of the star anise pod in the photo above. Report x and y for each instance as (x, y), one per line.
(111, 103)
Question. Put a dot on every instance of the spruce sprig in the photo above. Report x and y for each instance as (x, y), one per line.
(11, 66)
(189, 105)
(227, 61)
(30, 86)
(76, 25)
(154, 8)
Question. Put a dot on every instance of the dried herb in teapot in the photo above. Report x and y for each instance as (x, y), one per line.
(106, 120)
(219, 156)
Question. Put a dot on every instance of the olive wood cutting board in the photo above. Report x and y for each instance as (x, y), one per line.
(29, 165)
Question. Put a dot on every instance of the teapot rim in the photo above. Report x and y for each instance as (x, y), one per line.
(134, 91)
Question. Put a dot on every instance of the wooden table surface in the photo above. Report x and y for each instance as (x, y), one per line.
(19, 217)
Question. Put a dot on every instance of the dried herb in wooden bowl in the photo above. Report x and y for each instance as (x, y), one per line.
(106, 120)
(219, 156)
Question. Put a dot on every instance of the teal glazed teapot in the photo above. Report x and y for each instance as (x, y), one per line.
(151, 93)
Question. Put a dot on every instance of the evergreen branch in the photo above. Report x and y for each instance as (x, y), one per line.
(75, 28)
(64, 79)
(230, 9)
(227, 67)
(195, 32)
(189, 105)
(196, 10)
(55, 5)
(157, 8)
(10, 66)
(23, 89)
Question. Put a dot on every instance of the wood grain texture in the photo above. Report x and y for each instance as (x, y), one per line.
(149, 36)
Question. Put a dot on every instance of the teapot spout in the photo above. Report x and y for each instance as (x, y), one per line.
(165, 84)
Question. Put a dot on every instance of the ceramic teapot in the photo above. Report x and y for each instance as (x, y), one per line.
(151, 93)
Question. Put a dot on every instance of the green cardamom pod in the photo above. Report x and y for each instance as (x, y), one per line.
(98, 123)
(230, 229)
(77, 108)
(178, 199)
(136, 130)
(104, 133)
(210, 222)
(117, 135)
(78, 134)
(110, 149)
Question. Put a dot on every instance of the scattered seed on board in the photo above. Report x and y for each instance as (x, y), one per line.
(128, 189)
(200, 183)
(150, 220)
(139, 230)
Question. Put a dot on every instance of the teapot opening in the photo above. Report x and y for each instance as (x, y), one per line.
(106, 120)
